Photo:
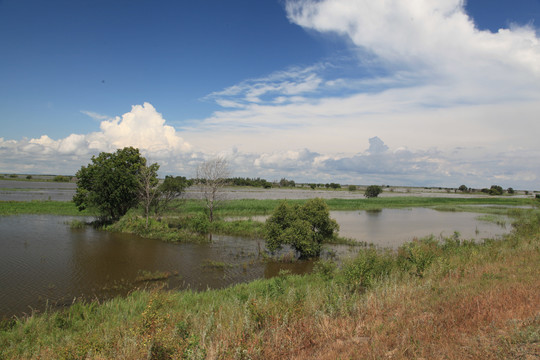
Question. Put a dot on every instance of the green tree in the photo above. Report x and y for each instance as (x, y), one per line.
(171, 188)
(463, 188)
(304, 227)
(373, 191)
(110, 183)
(496, 190)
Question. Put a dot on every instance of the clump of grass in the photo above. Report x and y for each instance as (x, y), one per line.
(77, 224)
(496, 219)
(145, 275)
(216, 264)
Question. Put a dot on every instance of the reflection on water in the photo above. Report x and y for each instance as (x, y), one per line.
(44, 262)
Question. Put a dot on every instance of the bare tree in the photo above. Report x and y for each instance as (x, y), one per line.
(211, 177)
(148, 191)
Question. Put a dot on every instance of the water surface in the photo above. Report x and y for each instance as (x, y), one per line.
(45, 262)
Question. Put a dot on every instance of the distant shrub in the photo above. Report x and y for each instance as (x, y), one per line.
(287, 183)
(29, 177)
(352, 188)
(510, 190)
(373, 191)
(61, 178)
(13, 176)
(496, 190)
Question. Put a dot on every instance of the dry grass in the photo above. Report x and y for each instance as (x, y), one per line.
(478, 315)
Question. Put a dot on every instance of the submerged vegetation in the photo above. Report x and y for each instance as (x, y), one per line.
(430, 299)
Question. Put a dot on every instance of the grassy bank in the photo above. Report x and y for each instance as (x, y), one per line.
(251, 207)
(41, 208)
(455, 300)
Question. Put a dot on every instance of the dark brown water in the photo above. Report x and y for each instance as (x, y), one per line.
(45, 263)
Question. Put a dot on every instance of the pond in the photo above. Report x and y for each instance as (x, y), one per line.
(393, 227)
(44, 263)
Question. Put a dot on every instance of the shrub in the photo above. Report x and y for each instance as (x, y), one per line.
(325, 269)
(61, 178)
(417, 255)
(373, 191)
(496, 190)
(352, 188)
(368, 266)
(200, 224)
(304, 227)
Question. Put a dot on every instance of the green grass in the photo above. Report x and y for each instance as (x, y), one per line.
(41, 208)
(145, 275)
(248, 207)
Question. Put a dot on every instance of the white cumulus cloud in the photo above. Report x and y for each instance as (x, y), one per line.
(142, 127)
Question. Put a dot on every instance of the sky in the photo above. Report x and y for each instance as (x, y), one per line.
(395, 92)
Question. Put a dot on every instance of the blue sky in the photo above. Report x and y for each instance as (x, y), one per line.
(426, 93)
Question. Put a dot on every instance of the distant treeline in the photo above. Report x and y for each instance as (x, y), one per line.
(255, 182)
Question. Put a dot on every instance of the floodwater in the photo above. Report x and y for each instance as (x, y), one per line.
(392, 227)
(20, 190)
(45, 263)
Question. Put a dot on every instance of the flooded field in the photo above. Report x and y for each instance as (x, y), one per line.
(392, 227)
(46, 263)
(17, 190)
